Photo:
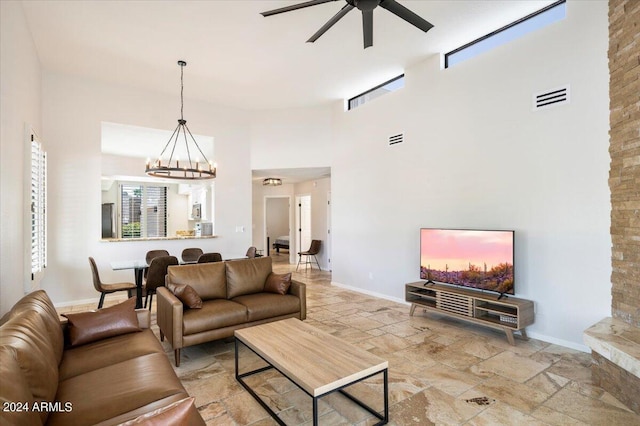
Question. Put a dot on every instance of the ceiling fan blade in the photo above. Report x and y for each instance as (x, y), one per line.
(367, 27)
(404, 13)
(294, 7)
(346, 9)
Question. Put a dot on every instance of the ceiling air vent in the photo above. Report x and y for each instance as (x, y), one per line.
(396, 139)
(550, 98)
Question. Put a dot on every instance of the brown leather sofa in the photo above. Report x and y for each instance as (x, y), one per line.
(106, 382)
(233, 297)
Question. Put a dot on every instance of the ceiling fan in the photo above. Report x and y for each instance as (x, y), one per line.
(366, 7)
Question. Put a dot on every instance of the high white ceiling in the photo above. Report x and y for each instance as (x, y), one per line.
(236, 57)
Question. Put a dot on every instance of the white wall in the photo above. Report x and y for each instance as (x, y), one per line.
(73, 110)
(20, 103)
(476, 156)
(291, 138)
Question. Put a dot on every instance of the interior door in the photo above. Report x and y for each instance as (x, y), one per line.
(328, 244)
(304, 222)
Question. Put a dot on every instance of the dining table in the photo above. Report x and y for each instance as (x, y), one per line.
(138, 267)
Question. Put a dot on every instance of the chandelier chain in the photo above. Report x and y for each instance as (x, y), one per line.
(181, 92)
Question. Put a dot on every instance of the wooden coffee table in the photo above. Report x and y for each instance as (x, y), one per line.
(317, 362)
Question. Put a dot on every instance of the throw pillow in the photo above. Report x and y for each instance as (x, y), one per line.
(176, 413)
(278, 283)
(187, 295)
(86, 327)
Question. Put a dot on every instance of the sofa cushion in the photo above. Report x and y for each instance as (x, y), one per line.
(86, 327)
(207, 279)
(247, 276)
(26, 334)
(268, 305)
(187, 295)
(93, 356)
(176, 413)
(278, 283)
(14, 389)
(217, 313)
(119, 388)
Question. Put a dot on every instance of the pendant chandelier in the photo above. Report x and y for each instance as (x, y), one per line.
(174, 169)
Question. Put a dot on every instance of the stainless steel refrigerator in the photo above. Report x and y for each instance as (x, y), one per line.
(108, 220)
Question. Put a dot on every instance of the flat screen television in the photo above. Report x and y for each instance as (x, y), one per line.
(480, 259)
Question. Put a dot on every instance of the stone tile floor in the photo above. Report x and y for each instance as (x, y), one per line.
(441, 371)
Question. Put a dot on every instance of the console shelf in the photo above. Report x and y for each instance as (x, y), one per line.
(509, 314)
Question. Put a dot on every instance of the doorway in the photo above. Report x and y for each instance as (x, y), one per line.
(303, 221)
(277, 228)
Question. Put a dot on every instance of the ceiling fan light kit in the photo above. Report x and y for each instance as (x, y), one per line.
(366, 7)
(272, 182)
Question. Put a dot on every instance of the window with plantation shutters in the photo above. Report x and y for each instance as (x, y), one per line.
(38, 209)
(143, 210)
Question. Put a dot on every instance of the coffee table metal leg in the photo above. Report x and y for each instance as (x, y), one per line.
(315, 411)
(384, 419)
(386, 396)
(240, 378)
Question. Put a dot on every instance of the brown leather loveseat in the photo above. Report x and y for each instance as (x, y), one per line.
(92, 378)
(234, 294)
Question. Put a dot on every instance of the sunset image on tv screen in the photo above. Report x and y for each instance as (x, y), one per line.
(471, 258)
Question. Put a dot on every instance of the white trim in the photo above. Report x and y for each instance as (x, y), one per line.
(92, 301)
(561, 342)
(538, 336)
(370, 293)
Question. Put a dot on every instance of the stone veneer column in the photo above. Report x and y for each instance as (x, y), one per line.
(624, 148)
(615, 342)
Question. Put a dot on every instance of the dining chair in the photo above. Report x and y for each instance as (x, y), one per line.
(152, 254)
(251, 252)
(105, 288)
(210, 257)
(190, 255)
(157, 272)
(314, 249)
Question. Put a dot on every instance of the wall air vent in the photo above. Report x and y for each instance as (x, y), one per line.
(550, 98)
(396, 139)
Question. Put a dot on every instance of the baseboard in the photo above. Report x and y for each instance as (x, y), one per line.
(561, 342)
(94, 301)
(538, 336)
(370, 293)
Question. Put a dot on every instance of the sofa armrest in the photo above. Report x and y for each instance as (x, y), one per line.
(169, 316)
(299, 289)
(144, 318)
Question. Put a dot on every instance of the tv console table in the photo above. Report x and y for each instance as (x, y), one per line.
(508, 314)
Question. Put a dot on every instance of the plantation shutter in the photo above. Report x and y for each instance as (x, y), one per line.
(143, 211)
(38, 209)
(156, 209)
(131, 210)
